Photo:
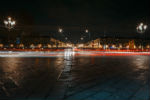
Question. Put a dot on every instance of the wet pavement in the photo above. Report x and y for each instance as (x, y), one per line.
(75, 78)
(24, 78)
(109, 78)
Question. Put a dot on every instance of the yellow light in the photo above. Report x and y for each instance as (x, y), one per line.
(140, 47)
(127, 46)
(1, 45)
(11, 45)
(107, 46)
(148, 46)
(134, 46)
(120, 46)
(49, 46)
(39, 45)
(21, 45)
(100, 46)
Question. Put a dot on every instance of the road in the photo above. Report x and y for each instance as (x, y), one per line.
(71, 77)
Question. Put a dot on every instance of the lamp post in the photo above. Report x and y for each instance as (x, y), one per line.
(60, 30)
(141, 28)
(87, 31)
(9, 24)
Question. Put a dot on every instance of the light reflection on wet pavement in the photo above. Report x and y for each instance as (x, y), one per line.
(110, 78)
(90, 78)
(27, 77)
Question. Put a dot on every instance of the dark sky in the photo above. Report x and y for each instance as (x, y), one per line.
(99, 15)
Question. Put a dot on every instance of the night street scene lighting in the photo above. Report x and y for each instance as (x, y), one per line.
(60, 30)
(141, 28)
(81, 38)
(74, 50)
(9, 23)
(86, 30)
(66, 38)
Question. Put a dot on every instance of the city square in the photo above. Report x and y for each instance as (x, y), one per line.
(74, 50)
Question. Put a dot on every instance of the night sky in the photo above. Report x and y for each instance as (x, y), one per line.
(112, 16)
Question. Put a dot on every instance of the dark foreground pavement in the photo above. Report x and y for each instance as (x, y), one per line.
(110, 78)
(75, 78)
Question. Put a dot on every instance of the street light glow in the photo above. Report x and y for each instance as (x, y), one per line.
(141, 24)
(82, 38)
(5, 22)
(9, 18)
(60, 30)
(9, 23)
(141, 28)
(13, 23)
(145, 27)
(86, 30)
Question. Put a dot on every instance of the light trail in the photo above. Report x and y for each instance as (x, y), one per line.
(68, 52)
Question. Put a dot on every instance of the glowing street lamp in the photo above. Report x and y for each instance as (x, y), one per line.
(60, 30)
(1, 45)
(9, 23)
(148, 46)
(81, 38)
(134, 46)
(141, 28)
(11, 45)
(86, 31)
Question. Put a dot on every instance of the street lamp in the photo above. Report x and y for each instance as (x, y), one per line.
(86, 31)
(141, 28)
(9, 23)
(60, 30)
(81, 38)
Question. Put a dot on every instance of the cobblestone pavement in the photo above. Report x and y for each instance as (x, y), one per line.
(77, 78)
(109, 78)
(28, 78)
